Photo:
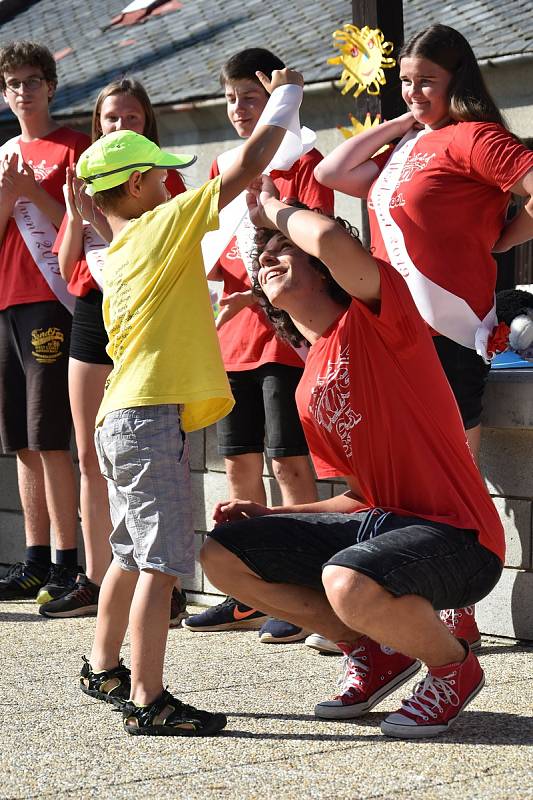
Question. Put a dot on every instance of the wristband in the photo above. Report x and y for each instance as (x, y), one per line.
(282, 111)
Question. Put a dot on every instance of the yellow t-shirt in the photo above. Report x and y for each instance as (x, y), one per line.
(158, 315)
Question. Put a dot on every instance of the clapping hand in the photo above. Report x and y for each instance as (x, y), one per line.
(16, 182)
(77, 201)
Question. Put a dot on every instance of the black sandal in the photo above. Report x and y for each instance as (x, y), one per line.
(111, 685)
(168, 716)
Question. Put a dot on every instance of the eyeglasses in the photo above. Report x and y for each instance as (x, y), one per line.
(31, 84)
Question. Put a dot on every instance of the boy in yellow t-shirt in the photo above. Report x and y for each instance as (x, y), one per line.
(167, 379)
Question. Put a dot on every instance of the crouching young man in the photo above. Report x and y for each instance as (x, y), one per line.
(417, 531)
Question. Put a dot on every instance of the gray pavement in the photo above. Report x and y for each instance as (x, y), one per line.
(56, 743)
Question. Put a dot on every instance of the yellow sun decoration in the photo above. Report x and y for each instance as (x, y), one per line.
(363, 57)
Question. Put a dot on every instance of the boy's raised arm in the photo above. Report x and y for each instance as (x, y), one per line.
(262, 145)
(318, 235)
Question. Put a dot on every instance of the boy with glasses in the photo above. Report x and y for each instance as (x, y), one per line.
(35, 319)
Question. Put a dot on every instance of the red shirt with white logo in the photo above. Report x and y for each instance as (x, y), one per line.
(376, 405)
(81, 281)
(450, 204)
(20, 279)
(248, 340)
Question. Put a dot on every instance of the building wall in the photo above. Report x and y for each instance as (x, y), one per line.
(205, 130)
(507, 453)
(506, 462)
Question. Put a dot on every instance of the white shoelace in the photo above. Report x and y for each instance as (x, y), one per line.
(352, 666)
(430, 695)
(453, 615)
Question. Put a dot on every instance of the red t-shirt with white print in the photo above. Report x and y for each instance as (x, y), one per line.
(81, 281)
(450, 204)
(20, 278)
(376, 405)
(248, 340)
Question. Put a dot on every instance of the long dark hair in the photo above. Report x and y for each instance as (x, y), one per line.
(135, 89)
(280, 320)
(470, 100)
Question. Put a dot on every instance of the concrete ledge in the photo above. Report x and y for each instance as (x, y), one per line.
(509, 399)
(507, 609)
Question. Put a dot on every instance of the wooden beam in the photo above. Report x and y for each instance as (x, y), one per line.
(387, 15)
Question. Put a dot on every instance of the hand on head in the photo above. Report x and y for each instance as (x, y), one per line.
(259, 193)
(280, 77)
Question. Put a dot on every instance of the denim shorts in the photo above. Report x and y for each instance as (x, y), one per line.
(264, 417)
(144, 456)
(405, 555)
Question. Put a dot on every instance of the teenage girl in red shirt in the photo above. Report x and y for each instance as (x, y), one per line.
(437, 203)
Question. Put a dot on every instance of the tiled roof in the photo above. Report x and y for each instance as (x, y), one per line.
(178, 55)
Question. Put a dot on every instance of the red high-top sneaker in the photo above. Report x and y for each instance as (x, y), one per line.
(437, 700)
(461, 622)
(370, 673)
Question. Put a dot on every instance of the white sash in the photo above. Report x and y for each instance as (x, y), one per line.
(39, 235)
(282, 110)
(446, 313)
(95, 252)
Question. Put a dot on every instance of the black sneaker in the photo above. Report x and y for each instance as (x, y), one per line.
(178, 608)
(80, 601)
(227, 616)
(111, 685)
(60, 580)
(22, 581)
(276, 631)
(168, 716)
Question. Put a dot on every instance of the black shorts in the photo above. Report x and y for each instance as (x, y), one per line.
(467, 375)
(406, 555)
(89, 338)
(34, 402)
(264, 417)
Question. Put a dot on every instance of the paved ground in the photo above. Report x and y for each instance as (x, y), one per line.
(56, 743)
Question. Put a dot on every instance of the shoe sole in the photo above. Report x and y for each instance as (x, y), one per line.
(13, 596)
(175, 622)
(267, 638)
(96, 695)
(332, 650)
(241, 625)
(217, 724)
(475, 646)
(86, 611)
(360, 709)
(424, 731)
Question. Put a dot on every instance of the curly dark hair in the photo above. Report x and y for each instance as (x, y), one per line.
(280, 320)
(23, 53)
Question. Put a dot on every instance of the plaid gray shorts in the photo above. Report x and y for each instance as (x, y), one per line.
(144, 456)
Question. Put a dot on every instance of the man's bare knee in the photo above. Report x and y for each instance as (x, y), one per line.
(351, 592)
(212, 556)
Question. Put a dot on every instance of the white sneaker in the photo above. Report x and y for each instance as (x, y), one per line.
(323, 645)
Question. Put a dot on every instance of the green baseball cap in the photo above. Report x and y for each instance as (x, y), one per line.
(111, 160)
